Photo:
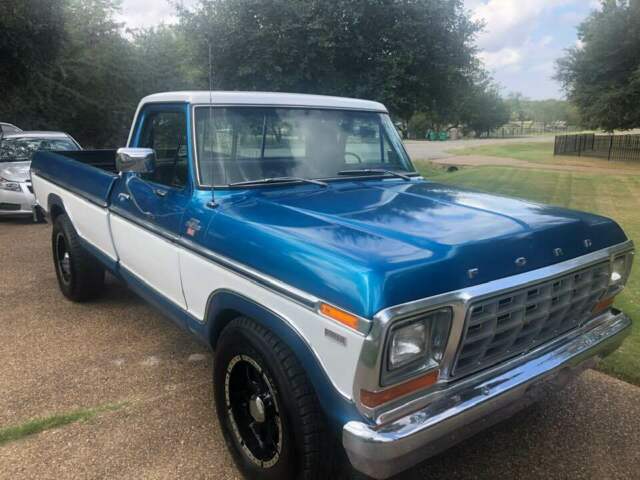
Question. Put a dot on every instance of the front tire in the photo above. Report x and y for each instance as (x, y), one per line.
(267, 409)
(80, 275)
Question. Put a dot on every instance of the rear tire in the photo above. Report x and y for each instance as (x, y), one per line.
(267, 408)
(80, 275)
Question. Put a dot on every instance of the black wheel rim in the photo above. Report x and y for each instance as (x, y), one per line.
(63, 259)
(253, 410)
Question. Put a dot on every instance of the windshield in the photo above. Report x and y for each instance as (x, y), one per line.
(20, 149)
(243, 144)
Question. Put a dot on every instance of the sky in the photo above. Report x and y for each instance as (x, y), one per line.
(519, 45)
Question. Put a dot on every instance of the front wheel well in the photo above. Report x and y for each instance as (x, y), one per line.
(56, 208)
(224, 306)
(219, 322)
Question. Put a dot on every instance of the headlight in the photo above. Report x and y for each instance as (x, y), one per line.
(11, 186)
(407, 344)
(417, 345)
(619, 274)
(620, 269)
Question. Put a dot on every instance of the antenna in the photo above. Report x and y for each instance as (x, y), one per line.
(212, 203)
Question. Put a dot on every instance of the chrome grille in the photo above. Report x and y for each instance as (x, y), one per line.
(513, 323)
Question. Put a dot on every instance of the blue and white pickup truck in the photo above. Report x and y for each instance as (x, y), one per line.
(349, 302)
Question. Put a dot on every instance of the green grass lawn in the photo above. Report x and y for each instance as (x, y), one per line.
(616, 196)
(542, 154)
(531, 152)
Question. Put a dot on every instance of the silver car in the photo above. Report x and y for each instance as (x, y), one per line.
(6, 128)
(16, 150)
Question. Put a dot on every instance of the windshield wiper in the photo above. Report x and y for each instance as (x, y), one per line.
(263, 181)
(374, 171)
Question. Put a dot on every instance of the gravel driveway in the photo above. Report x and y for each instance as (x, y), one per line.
(56, 356)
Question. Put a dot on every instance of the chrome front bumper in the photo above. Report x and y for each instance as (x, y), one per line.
(479, 401)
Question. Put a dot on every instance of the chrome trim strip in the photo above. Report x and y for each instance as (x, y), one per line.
(276, 285)
(283, 289)
(478, 402)
(371, 357)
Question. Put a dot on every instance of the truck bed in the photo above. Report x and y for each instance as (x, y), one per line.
(87, 173)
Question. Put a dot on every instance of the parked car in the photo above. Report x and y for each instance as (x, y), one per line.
(348, 300)
(6, 128)
(16, 150)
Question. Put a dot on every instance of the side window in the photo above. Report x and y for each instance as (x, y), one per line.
(166, 133)
(363, 145)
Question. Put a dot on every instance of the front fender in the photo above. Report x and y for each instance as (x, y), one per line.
(225, 305)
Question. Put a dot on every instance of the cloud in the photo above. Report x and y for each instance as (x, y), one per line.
(505, 57)
(523, 38)
(146, 13)
(509, 23)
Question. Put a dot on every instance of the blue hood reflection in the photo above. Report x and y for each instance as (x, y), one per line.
(368, 245)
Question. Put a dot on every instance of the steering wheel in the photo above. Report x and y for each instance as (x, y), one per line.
(358, 158)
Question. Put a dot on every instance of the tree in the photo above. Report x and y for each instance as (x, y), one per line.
(31, 33)
(165, 60)
(91, 84)
(544, 111)
(419, 125)
(80, 81)
(485, 110)
(31, 37)
(602, 75)
(410, 54)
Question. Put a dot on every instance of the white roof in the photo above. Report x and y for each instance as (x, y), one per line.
(266, 99)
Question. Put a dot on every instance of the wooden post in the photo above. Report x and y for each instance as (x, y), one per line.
(579, 145)
(610, 146)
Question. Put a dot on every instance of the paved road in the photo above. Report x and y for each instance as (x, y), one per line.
(423, 150)
(56, 356)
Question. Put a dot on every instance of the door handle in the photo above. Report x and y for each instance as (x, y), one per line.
(160, 192)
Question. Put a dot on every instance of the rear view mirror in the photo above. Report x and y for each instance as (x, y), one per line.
(367, 132)
(135, 160)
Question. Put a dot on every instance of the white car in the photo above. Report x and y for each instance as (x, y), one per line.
(16, 150)
(7, 128)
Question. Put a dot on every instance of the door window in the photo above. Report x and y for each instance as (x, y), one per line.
(166, 133)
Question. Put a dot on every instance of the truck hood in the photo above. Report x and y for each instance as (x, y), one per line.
(15, 171)
(368, 245)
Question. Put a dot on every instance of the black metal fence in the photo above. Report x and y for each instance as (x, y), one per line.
(612, 147)
(514, 131)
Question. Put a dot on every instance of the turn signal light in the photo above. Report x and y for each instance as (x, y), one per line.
(340, 316)
(375, 399)
(603, 305)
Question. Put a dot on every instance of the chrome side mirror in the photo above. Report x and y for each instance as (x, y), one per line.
(136, 160)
